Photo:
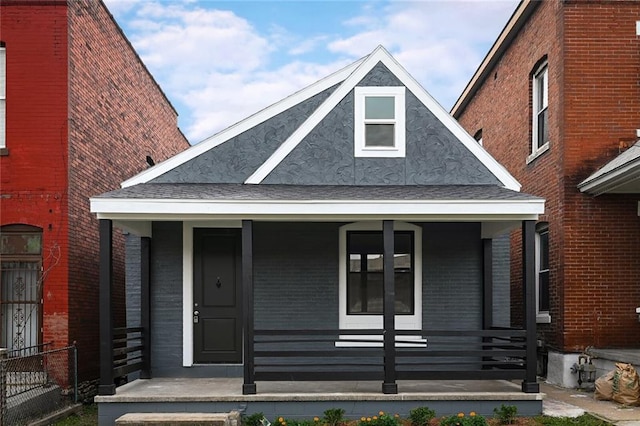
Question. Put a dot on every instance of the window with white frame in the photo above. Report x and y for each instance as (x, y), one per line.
(379, 127)
(540, 103)
(542, 273)
(361, 276)
(3, 100)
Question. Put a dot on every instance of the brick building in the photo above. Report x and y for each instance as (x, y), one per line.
(557, 101)
(80, 113)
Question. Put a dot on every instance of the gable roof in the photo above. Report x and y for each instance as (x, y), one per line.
(620, 175)
(347, 79)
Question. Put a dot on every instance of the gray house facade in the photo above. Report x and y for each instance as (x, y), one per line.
(344, 233)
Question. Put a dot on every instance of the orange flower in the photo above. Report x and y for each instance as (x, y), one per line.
(461, 415)
(280, 419)
(316, 419)
(375, 417)
(368, 419)
(363, 419)
(396, 415)
(472, 414)
(381, 413)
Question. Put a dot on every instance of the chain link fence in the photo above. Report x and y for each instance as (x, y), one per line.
(35, 382)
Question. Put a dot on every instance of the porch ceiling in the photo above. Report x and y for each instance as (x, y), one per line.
(155, 201)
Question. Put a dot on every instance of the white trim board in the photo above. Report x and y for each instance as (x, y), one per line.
(381, 55)
(242, 126)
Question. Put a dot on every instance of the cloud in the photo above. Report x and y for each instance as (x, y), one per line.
(217, 67)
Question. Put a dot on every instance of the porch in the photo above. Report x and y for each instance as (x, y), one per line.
(306, 399)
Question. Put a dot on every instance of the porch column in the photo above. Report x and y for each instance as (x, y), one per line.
(107, 386)
(487, 290)
(389, 386)
(530, 384)
(249, 386)
(145, 307)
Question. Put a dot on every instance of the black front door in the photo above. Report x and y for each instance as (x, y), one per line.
(217, 300)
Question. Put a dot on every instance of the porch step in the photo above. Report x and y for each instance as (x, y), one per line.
(195, 419)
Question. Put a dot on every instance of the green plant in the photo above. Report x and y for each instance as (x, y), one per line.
(506, 413)
(382, 419)
(333, 416)
(584, 420)
(461, 419)
(421, 416)
(253, 419)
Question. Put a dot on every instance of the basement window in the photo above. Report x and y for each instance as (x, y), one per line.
(379, 127)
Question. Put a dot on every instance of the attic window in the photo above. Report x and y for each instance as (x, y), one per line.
(379, 121)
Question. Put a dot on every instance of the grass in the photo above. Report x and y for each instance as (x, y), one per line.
(86, 416)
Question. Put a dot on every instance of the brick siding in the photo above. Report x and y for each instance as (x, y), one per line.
(594, 108)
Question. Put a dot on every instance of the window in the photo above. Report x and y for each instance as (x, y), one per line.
(361, 276)
(540, 102)
(542, 273)
(20, 286)
(365, 279)
(3, 100)
(478, 137)
(379, 127)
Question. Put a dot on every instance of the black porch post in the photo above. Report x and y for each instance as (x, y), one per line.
(530, 384)
(389, 385)
(107, 386)
(249, 386)
(145, 307)
(487, 289)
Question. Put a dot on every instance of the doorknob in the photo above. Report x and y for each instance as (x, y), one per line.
(196, 317)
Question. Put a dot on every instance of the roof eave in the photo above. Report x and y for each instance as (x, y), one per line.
(509, 32)
(608, 182)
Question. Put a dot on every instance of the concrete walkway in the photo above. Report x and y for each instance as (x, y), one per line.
(561, 402)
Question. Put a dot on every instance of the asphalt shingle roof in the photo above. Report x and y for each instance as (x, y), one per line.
(241, 192)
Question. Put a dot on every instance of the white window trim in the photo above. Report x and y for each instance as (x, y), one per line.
(542, 317)
(403, 322)
(360, 150)
(541, 76)
(3, 97)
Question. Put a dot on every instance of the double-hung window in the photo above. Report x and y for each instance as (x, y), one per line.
(379, 128)
(361, 295)
(3, 99)
(540, 103)
(542, 273)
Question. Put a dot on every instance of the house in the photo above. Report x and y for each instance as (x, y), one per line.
(79, 112)
(341, 234)
(557, 102)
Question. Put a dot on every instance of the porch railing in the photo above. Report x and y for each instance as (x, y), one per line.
(359, 354)
(129, 351)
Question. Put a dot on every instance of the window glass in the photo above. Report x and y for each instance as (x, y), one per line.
(540, 106)
(379, 107)
(542, 266)
(365, 293)
(379, 135)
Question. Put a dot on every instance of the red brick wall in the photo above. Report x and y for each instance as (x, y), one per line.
(593, 56)
(118, 115)
(33, 176)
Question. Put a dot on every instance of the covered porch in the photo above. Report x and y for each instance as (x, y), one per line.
(303, 399)
(390, 358)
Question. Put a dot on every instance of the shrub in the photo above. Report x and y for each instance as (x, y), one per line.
(253, 420)
(333, 416)
(421, 416)
(461, 420)
(382, 419)
(506, 414)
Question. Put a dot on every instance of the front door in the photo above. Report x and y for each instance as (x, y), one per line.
(217, 299)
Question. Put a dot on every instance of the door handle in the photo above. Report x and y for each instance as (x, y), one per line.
(196, 317)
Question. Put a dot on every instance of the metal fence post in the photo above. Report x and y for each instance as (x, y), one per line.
(3, 385)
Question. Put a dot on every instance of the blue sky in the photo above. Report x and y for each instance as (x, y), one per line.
(221, 61)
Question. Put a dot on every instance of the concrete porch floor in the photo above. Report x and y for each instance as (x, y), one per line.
(308, 399)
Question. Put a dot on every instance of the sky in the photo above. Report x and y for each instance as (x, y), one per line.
(219, 62)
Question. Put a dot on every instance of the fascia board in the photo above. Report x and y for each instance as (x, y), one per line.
(139, 208)
(381, 55)
(607, 182)
(242, 126)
